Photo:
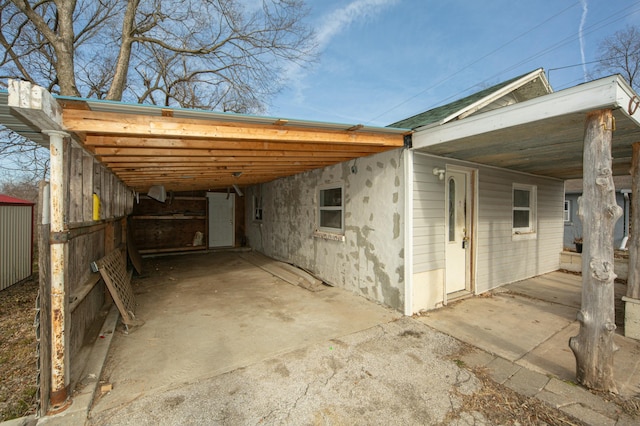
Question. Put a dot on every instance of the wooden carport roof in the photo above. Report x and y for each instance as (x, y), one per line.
(185, 149)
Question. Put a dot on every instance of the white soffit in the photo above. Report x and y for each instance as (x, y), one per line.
(610, 92)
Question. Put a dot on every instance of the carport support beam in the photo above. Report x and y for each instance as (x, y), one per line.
(632, 298)
(57, 242)
(594, 347)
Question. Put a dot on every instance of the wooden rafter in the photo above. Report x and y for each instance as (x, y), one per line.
(144, 148)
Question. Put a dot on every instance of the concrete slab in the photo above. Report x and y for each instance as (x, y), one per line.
(212, 313)
(228, 343)
(501, 370)
(394, 373)
(503, 324)
(553, 356)
(527, 382)
(529, 323)
(556, 287)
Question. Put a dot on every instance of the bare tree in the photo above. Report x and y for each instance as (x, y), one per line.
(223, 54)
(211, 54)
(21, 160)
(620, 54)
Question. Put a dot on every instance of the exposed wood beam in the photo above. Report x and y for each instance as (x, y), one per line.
(162, 152)
(148, 142)
(146, 126)
(220, 160)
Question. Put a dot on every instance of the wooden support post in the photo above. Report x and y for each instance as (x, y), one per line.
(59, 303)
(632, 299)
(633, 282)
(594, 347)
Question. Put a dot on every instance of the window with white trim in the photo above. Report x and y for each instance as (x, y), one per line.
(330, 209)
(524, 209)
(567, 210)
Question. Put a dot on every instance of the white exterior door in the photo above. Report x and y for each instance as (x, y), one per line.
(221, 219)
(457, 231)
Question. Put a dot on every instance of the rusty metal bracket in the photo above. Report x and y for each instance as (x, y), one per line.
(634, 103)
(59, 237)
(612, 127)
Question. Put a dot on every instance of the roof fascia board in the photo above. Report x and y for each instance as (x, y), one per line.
(609, 92)
(35, 105)
(498, 94)
(100, 105)
(627, 98)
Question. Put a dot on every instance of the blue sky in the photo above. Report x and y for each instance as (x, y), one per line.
(385, 60)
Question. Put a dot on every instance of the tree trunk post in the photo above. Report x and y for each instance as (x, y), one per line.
(632, 298)
(594, 347)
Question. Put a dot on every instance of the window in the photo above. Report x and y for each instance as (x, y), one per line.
(567, 210)
(524, 209)
(452, 210)
(257, 208)
(330, 209)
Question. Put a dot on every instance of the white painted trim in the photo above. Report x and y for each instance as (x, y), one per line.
(471, 177)
(481, 103)
(611, 92)
(408, 232)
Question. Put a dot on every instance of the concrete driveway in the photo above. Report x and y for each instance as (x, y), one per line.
(225, 342)
(208, 314)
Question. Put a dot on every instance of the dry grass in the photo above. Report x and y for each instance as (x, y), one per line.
(503, 406)
(18, 350)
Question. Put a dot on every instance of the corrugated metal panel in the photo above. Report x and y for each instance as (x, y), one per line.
(15, 244)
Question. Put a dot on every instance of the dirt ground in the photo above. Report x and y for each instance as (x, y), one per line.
(18, 350)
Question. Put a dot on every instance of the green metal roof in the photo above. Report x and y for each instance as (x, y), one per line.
(440, 113)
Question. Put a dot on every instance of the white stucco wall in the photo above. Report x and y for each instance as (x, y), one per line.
(370, 259)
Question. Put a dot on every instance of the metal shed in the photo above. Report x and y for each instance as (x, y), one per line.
(16, 240)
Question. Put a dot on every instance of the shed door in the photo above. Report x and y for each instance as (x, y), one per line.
(457, 227)
(221, 219)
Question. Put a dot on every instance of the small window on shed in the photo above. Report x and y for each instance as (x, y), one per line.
(567, 210)
(330, 209)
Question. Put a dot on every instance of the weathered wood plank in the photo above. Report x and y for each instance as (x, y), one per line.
(76, 198)
(87, 187)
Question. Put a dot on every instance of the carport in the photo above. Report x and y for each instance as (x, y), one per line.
(105, 154)
(589, 131)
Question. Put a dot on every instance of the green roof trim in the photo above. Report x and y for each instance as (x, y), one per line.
(444, 111)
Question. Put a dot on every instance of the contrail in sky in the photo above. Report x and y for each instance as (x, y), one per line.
(331, 25)
(583, 20)
(341, 18)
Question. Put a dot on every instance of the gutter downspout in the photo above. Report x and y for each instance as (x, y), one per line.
(623, 244)
(57, 242)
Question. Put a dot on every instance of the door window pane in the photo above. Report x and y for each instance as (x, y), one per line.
(452, 210)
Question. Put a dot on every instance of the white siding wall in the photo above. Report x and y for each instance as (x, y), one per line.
(500, 259)
(15, 244)
(428, 215)
(370, 260)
